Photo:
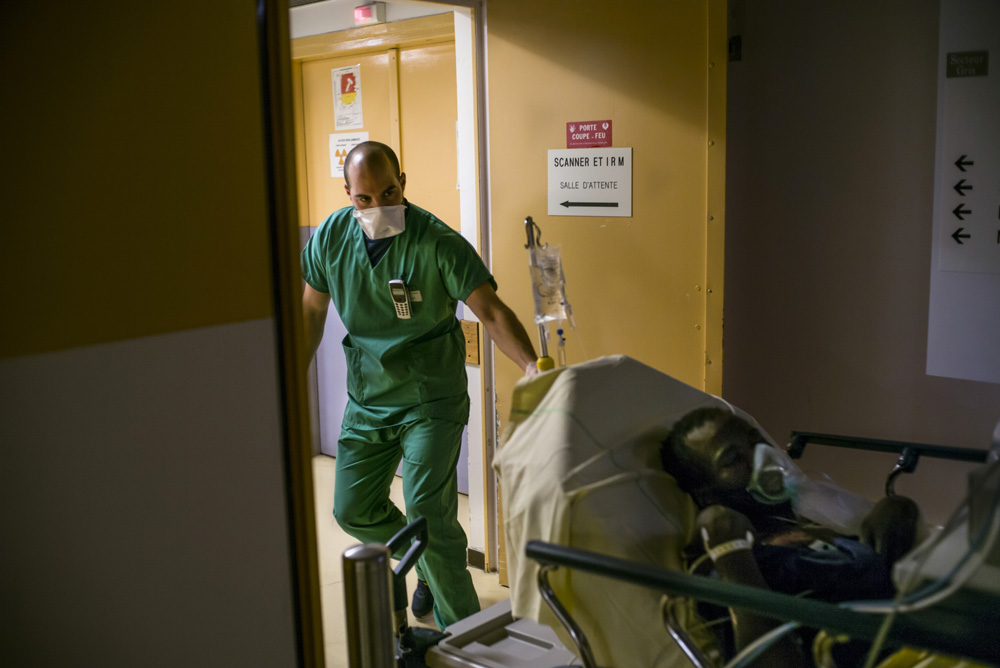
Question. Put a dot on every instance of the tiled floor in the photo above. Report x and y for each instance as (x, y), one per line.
(332, 543)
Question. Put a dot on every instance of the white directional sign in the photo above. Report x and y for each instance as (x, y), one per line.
(590, 182)
(964, 308)
(967, 216)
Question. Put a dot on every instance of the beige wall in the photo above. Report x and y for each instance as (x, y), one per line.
(829, 196)
(637, 285)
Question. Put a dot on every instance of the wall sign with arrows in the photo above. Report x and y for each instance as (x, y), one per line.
(968, 173)
(969, 213)
(964, 298)
(590, 182)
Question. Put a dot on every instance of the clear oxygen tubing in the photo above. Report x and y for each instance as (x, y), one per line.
(980, 545)
(904, 602)
(943, 586)
(907, 600)
(749, 653)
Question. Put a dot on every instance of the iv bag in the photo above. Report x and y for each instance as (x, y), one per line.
(549, 285)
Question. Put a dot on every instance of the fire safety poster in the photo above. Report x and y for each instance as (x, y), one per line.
(347, 113)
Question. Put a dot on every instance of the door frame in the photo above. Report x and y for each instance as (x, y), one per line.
(281, 100)
(411, 32)
(277, 115)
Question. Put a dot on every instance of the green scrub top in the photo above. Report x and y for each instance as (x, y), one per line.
(398, 370)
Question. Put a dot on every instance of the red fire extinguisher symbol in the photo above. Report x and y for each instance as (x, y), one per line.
(347, 83)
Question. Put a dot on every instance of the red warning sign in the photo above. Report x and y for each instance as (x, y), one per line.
(348, 84)
(588, 134)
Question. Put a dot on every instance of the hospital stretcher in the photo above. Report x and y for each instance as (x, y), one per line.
(594, 530)
(947, 630)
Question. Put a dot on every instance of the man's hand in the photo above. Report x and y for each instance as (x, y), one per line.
(893, 527)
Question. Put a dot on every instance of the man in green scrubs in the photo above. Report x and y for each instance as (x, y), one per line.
(395, 274)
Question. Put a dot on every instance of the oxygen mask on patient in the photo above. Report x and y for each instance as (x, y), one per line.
(776, 479)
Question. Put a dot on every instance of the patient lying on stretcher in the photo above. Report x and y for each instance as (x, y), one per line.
(748, 528)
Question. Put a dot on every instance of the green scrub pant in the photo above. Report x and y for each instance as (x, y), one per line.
(366, 463)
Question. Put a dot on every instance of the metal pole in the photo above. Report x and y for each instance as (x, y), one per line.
(575, 632)
(368, 606)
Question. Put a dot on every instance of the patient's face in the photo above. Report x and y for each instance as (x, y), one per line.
(713, 461)
(723, 451)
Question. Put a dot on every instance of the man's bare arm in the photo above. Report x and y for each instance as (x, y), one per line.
(315, 305)
(503, 326)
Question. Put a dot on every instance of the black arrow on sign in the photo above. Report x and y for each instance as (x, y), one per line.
(961, 187)
(962, 162)
(958, 236)
(569, 204)
(958, 211)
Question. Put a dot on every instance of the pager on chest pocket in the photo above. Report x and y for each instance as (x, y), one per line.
(400, 298)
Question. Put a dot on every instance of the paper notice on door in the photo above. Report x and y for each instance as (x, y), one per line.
(347, 114)
(340, 146)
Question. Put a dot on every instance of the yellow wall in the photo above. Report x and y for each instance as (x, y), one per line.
(637, 285)
(409, 102)
(133, 191)
(428, 113)
(378, 76)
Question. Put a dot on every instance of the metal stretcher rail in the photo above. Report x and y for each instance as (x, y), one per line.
(970, 636)
(909, 453)
(801, 438)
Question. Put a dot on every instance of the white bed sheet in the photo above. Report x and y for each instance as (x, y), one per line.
(579, 466)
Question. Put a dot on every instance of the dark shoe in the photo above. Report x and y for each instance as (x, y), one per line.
(423, 600)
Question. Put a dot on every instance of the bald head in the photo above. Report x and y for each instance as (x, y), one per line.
(372, 176)
(370, 155)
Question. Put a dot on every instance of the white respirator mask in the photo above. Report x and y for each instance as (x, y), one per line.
(382, 222)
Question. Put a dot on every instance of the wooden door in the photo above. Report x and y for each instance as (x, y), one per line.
(379, 99)
(409, 102)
